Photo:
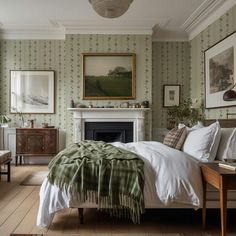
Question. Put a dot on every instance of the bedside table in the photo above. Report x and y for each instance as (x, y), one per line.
(222, 179)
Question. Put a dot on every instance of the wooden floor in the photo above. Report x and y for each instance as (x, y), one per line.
(19, 205)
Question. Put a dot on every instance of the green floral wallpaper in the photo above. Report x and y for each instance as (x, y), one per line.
(218, 30)
(158, 63)
(64, 56)
(170, 66)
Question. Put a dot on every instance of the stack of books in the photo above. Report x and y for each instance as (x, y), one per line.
(228, 165)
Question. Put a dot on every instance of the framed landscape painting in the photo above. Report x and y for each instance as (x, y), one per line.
(32, 91)
(108, 76)
(220, 65)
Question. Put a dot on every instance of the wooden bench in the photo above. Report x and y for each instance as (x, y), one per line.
(5, 159)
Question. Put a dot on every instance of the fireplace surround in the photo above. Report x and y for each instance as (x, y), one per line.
(83, 116)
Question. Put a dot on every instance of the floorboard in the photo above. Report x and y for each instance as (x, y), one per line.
(19, 206)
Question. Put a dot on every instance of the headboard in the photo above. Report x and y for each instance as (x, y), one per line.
(224, 123)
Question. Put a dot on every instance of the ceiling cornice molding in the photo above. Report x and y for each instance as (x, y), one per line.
(208, 12)
(28, 33)
(200, 13)
(59, 29)
(103, 27)
(108, 30)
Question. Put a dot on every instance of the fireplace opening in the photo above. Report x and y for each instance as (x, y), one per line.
(109, 131)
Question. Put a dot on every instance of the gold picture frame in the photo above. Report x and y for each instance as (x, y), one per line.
(108, 76)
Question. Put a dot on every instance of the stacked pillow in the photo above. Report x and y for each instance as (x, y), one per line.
(226, 135)
(202, 143)
(175, 138)
(227, 148)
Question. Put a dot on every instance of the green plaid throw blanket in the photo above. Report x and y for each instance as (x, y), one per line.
(101, 173)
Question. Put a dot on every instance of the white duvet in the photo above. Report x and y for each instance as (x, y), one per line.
(171, 176)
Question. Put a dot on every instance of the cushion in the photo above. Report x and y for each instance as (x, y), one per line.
(203, 143)
(197, 126)
(226, 134)
(230, 151)
(175, 138)
(5, 156)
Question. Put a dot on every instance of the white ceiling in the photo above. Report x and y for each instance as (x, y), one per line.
(168, 18)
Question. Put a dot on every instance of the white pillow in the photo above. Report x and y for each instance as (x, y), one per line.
(230, 151)
(226, 135)
(197, 126)
(203, 143)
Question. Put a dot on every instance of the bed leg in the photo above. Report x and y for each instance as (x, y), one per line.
(81, 215)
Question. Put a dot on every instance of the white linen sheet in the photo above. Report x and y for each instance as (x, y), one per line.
(171, 176)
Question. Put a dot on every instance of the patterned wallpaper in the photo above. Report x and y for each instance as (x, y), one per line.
(222, 27)
(158, 63)
(65, 58)
(170, 66)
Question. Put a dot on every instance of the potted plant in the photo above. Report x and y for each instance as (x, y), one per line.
(4, 120)
(186, 113)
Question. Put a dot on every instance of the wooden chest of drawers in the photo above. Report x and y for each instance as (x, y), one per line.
(36, 141)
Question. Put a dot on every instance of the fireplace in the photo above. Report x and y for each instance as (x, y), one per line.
(109, 131)
(133, 118)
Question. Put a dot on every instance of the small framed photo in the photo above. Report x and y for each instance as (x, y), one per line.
(171, 95)
(31, 91)
(220, 66)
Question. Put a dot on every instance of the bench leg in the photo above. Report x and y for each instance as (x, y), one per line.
(9, 171)
(81, 215)
(16, 160)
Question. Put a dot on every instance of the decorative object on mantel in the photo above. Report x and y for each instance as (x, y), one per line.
(108, 76)
(145, 104)
(79, 105)
(4, 120)
(188, 112)
(124, 105)
(72, 103)
(220, 76)
(110, 8)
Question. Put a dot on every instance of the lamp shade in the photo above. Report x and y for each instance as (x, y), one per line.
(110, 8)
(229, 95)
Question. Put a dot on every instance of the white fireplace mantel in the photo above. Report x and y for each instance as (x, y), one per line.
(83, 115)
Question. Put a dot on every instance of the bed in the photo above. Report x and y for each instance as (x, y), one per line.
(172, 180)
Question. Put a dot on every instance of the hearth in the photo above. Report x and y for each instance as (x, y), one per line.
(109, 131)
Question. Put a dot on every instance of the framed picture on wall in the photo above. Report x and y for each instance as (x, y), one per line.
(109, 75)
(171, 95)
(220, 66)
(31, 91)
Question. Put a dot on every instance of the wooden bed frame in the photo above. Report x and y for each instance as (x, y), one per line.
(224, 123)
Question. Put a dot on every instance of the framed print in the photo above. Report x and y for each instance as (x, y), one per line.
(32, 91)
(220, 67)
(108, 75)
(171, 95)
